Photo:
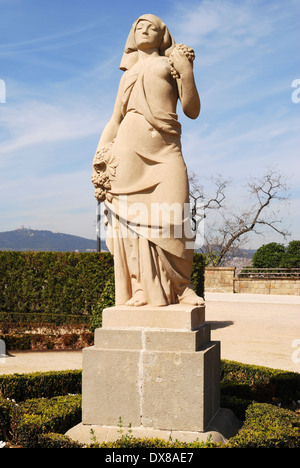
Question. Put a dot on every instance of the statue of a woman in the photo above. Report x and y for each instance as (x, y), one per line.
(139, 172)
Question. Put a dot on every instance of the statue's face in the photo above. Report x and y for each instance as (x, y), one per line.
(146, 35)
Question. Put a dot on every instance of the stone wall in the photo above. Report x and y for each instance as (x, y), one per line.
(219, 279)
(222, 279)
(289, 286)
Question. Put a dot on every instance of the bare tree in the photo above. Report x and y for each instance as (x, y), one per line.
(263, 193)
(201, 203)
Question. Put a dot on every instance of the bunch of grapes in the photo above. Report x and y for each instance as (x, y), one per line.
(100, 194)
(188, 52)
(101, 180)
(101, 183)
(100, 176)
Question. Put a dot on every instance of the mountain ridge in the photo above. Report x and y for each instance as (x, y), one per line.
(26, 239)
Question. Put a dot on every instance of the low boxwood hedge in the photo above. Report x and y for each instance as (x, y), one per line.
(43, 411)
(259, 383)
(21, 387)
(36, 417)
(268, 426)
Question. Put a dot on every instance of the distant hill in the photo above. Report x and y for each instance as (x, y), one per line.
(24, 239)
(238, 253)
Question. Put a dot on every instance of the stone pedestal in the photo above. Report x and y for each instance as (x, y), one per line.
(155, 370)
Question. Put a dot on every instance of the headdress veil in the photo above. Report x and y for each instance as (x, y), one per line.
(130, 55)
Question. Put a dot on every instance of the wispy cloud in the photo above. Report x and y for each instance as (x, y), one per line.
(36, 122)
(229, 25)
(48, 42)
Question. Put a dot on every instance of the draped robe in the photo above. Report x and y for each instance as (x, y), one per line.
(147, 208)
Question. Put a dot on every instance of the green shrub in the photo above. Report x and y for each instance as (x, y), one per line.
(198, 273)
(54, 440)
(54, 283)
(107, 299)
(38, 319)
(40, 384)
(6, 411)
(291, 258)
(39, 416)
(268, 426)
(274, 255)
(268, 256)
(259, 383)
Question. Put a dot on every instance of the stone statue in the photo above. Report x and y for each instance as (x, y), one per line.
(140, 174)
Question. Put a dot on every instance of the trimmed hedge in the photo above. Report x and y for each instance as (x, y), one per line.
(63, 287)
(241, 384)
(38, 319)
(37, 417)
(262, 384)
(21, 387)
(60, 283)
(54, 440)
(268, 426)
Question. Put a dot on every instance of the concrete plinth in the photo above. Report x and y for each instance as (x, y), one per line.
(155, 369)
(175, 316)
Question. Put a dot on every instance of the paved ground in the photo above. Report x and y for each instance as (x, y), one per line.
(254, 329)
(257, 329)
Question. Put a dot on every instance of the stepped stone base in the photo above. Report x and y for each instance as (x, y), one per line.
(155, 370)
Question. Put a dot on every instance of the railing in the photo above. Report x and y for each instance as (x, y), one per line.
(278, 273)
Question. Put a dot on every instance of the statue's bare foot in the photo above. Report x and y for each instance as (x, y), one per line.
(190, 297)
(138, 299)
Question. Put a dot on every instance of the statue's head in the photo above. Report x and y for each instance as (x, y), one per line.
(147, 35)
(147, 31)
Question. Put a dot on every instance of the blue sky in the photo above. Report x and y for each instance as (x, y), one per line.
(59, 61)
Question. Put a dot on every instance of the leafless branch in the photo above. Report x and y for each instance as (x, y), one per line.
(235, 226)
